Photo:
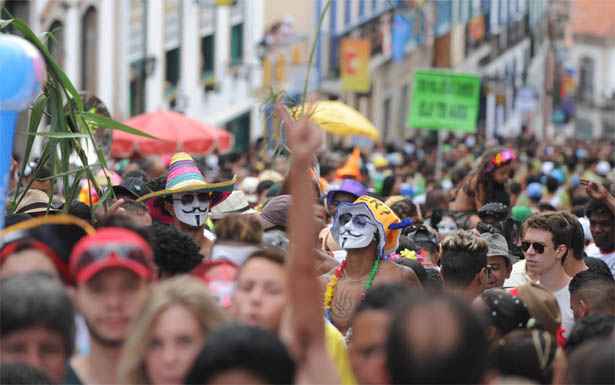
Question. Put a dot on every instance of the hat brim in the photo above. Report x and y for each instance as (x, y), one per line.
(220, 215)
(225, 186)
(90, 271)
(122, 190)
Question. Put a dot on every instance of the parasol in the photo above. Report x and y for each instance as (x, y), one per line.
(175, 133)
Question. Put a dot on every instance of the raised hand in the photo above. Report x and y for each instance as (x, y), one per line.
(595, 190)
(304, 137)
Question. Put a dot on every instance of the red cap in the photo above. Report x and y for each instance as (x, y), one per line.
(111, 240)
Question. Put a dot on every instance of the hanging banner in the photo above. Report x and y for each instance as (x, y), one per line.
(476, 28)
(444, 101)
(354, 65)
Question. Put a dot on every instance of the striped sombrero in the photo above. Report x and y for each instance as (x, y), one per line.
(185, 176)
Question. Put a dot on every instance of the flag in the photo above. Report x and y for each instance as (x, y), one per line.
(401, 36)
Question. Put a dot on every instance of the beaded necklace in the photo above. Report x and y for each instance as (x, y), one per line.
(329, 292)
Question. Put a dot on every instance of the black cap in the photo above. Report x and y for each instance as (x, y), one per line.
(131, 187)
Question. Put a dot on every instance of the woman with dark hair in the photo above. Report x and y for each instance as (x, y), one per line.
(485, 184)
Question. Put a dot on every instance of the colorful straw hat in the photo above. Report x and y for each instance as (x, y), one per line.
(184, 176)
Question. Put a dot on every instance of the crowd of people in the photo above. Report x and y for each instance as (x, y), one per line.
(345, 266)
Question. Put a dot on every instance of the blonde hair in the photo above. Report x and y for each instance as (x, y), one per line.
(182, 290)
(466, 241)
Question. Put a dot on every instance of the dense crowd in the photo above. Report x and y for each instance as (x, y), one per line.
(419, 262)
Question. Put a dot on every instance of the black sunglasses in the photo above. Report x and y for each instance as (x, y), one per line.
(538, 247)
(187, 199)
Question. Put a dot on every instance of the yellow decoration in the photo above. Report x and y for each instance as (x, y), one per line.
(280, 68)
(339, 119)
(409, 254)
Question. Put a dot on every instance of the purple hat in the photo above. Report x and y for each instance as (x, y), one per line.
(349, 186)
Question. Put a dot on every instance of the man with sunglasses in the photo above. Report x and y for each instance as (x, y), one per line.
(545, 244)
(113, 269)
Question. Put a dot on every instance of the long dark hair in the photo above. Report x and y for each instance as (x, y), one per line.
(480, 181)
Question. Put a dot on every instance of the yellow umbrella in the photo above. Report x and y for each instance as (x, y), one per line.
(340, 119)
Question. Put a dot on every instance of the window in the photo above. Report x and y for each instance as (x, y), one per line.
(207, 53)
(89, 50)
(17, 8)
(237, 44)
(347, 12)
(386, 124)
(240, 128)
(137, 96)
(586, 79)
(403, 109)
(171, 75)
(55, 43)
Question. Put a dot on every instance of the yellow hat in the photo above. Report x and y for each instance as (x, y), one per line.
(385, 216)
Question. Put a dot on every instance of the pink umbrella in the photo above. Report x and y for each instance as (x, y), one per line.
(175, 132)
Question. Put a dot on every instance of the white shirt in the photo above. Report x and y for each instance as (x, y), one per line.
(563, 300)
(518, 276)
(609, 259)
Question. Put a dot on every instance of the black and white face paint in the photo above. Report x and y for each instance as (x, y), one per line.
(191, 208)
(354, 227)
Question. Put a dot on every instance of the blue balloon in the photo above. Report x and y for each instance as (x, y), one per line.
(22, 73)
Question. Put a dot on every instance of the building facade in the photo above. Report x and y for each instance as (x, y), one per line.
(593, 57)
(197, 57)
(502, 41)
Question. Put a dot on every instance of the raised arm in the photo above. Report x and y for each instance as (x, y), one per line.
(305, 295)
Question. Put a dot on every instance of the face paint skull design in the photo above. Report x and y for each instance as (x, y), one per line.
(355, 227)
(191, 208)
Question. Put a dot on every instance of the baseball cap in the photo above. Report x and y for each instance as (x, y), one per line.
(520, 213)
(534, 190)
(349, 186)
(275, 212)
(111, 247)
(603, 167)
(497, 245)
(132, 186)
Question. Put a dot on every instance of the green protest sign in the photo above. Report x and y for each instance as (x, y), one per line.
(444, 101)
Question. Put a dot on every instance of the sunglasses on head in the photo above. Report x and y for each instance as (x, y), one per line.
(187, 199)
(538, 247)
(128, 252)
(361, 221)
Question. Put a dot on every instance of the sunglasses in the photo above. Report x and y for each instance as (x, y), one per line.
(538, 247)
(361, 221)
(187, 199)
(127, 252)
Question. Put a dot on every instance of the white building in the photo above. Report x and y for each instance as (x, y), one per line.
(593, 56)
(193, 56)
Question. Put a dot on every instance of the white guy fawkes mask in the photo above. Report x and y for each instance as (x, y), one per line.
(354, 227)
(446, 226)
(191, 208)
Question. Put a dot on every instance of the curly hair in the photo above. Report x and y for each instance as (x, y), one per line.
(174, 251)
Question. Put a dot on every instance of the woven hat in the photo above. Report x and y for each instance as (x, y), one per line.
(35, 202)
(184, 176)
(236, 203)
